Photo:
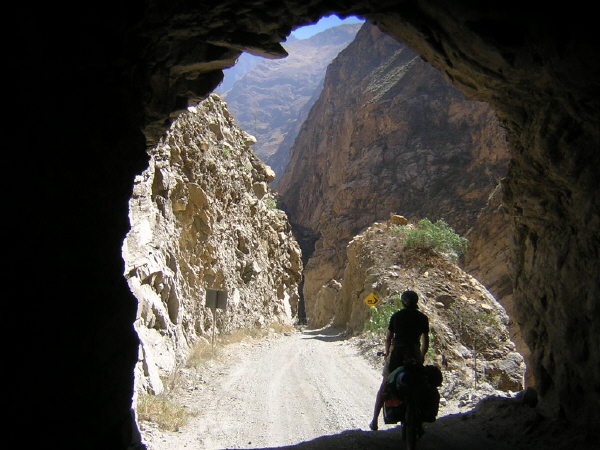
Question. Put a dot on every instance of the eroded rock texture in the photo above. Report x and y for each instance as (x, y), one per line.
(203, 217)
(104, 84)
(388, 135)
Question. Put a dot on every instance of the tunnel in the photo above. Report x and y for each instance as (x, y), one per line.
(95, 86)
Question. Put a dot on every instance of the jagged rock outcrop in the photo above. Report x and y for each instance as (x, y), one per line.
(469, 337)
(203, 217)
(272, 100)
(397, 137)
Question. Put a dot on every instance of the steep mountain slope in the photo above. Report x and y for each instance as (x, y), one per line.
(203, 217)
(272, 98)
(387, 135)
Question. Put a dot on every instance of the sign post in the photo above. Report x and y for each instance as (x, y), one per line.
(215, 299)
(372, 300)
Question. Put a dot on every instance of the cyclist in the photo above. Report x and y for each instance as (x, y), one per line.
(407, 337)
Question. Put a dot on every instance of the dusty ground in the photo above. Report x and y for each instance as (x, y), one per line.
(314, 390)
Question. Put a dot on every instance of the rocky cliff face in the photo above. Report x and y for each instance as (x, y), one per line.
(388, 134)
(203, 217)
(487, 259)
(273, 98)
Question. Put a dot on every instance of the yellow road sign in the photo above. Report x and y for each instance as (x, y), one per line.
(372, 300)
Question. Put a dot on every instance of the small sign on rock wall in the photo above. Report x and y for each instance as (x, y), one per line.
(372, 300)
(216, 299)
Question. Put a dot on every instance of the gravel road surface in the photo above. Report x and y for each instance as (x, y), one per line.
(313, 390)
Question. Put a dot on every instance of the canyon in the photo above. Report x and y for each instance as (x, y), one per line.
(203, 218)
(388, 135)
(106, 85)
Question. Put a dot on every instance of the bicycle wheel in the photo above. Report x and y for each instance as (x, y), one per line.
(409, 429)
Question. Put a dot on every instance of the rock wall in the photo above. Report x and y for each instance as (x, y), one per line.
(91, 92)
(487, 259)
(388, 134)
(203, 217)
(546, 108)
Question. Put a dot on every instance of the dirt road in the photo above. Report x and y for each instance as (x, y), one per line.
(278, 392)
(312, 390)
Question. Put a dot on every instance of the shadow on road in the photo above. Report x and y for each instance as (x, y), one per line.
(495, 424)
(327, 334)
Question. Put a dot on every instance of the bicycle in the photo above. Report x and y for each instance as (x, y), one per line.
(408, 398)
(412, 425)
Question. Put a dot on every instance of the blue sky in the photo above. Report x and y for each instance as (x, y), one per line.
(323, 24)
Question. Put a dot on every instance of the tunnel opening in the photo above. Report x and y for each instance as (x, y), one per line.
(308, 239)
(126, 54)
(453, 160)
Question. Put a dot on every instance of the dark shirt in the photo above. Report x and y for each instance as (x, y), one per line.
(407, 325)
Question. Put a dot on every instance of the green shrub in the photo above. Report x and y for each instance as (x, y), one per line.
(271, 203)
(380, 315)
(399, 231)
(431, 351)
(438, 236)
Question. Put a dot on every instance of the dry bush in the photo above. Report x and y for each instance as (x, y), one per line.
(161, 411)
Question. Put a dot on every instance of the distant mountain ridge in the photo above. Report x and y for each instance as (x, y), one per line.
(244, 64)
(272, 99)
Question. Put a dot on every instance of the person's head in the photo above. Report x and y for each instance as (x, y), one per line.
(409, 299)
